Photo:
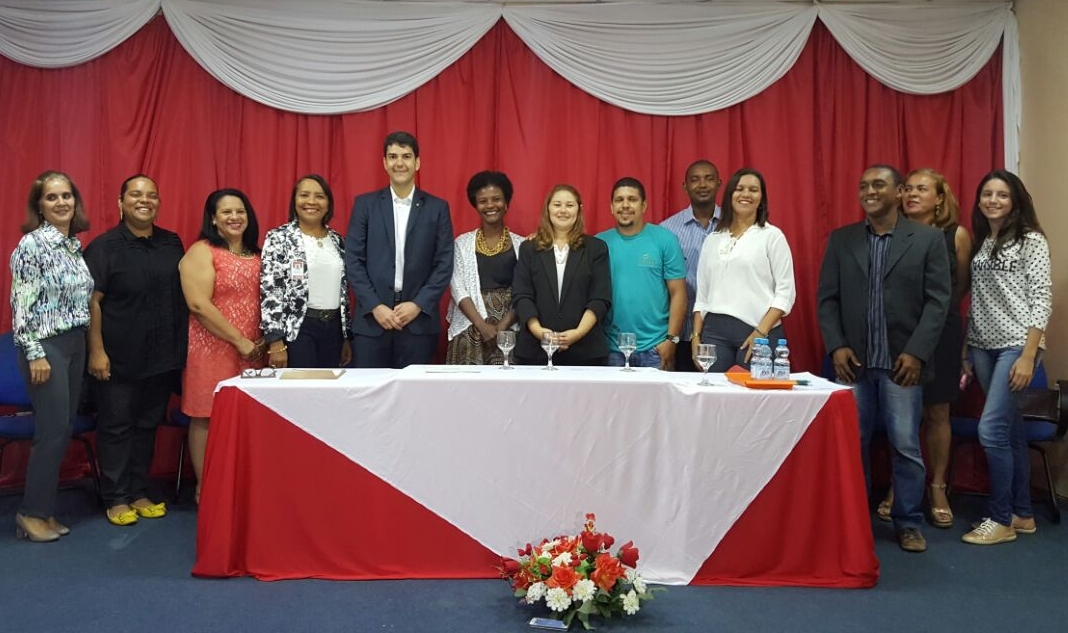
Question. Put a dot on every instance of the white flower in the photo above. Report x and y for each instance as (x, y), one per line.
(636, 579)
(558, 600)
(547, 549)
(535, 592)
(631, 603)
(583, 590)
(563, 560)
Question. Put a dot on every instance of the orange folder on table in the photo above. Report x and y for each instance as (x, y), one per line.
(740, 376)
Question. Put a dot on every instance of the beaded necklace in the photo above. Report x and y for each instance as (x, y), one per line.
(482, 248)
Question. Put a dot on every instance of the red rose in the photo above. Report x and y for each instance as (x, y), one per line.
(628, 554)
(607, 571)
(509, 567)
(563, 577)
(608, 540)
(526, 551)
(592, 541)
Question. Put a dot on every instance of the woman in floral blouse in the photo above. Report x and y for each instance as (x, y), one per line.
(50, 288)
(304, 298)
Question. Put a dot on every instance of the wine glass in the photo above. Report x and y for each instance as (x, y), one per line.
(549, 343)
(628, 342)
(706, 355)
(506, 341)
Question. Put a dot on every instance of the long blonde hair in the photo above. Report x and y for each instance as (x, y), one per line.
(543, 238)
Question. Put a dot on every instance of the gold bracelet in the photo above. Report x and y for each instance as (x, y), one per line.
(277, 351)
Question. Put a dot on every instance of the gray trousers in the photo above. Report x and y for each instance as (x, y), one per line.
(55, 403)
(728, 334)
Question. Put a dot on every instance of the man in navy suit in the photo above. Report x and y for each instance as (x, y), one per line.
(398, 257)
(883, 296)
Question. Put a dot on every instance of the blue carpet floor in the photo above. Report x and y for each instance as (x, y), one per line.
(104, 578)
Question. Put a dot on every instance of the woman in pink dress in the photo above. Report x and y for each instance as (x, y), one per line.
(221, 282)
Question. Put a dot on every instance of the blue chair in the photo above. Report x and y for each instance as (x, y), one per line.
(1045, 412)
(179, 420)
(19, 426)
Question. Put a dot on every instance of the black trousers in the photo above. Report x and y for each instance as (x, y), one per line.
(128, 413)
(318, 343)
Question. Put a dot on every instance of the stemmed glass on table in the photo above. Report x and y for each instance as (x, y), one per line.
(549, 343)
(506, 341)
(706, 356)
(628, 342)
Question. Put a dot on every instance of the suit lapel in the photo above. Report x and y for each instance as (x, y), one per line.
(858, 245)
(548, 262)
(572, 261)
(385, 214)
(899, 244)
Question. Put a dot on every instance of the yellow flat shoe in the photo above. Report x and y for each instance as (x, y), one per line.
(128, 517)
(153, 511)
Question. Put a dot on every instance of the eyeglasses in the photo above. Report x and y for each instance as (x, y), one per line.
(266, 372)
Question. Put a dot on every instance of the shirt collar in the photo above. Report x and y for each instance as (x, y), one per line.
(399, 200)
(51, 235)
(692, 219)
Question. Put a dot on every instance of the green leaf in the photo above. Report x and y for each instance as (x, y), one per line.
(585, 620)
(520, 593)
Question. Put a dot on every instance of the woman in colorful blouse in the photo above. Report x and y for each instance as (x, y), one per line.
(1012, 300)
(483, 266)
(50, 288)
(304, 299)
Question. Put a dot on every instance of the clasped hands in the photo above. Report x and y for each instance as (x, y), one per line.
(397, 318)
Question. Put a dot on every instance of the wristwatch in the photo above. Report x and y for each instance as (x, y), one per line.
(672, 338)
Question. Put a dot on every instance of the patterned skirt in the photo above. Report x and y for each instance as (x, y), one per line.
(467, 347)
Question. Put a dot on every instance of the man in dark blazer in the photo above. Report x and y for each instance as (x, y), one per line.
(884, 291)
(398, 258)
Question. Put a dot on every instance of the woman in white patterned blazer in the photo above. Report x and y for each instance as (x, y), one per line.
(483, 265)
(304, 299)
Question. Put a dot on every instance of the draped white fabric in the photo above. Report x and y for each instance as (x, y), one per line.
(667, 59)
(664, 58)
(322, 56)
(59, 33)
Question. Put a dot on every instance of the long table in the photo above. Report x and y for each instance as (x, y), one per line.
(435, 472)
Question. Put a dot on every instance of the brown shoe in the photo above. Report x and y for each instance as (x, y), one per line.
(911, 540)
(1024, 525)
(990, 532)
(1020, 524)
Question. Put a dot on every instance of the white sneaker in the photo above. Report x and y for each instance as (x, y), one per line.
(990, 532)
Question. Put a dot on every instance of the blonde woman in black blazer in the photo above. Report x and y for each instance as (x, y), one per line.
(572, 305)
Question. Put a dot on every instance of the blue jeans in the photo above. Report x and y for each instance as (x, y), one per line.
(648, 358)
(1003, 435)
(899, 409)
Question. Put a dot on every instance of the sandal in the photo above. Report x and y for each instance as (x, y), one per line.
(940, 517)
(883, 511)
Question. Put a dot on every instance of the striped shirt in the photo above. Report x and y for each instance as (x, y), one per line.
(691, 237)
(50, 288)
(878, 344)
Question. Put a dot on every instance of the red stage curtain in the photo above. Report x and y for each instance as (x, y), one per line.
(148, 107)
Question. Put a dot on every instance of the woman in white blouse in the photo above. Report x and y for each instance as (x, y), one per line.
(1012, 298)
(304, 299)
(483, 265)
(745, 276)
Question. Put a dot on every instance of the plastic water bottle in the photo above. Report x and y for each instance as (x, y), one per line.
(782, 361)
(760, 364)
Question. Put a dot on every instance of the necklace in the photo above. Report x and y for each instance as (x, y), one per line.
(319, 239)
(482, 248)
(241, 253)
(561, 253)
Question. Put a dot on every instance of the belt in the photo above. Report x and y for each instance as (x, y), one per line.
(322, 315)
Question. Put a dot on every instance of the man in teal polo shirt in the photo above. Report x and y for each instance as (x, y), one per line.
(648, 281)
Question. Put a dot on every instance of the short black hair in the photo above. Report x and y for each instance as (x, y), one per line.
(402, 138)
(489, 179)
(629, 181)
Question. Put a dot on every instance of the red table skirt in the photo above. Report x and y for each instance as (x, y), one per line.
(277, 504)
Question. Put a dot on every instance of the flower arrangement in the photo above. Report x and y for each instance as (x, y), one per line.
(578, 576)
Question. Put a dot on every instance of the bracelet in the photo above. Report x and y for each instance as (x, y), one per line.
(277, 351)
(763, 334)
